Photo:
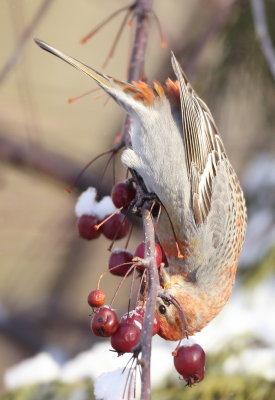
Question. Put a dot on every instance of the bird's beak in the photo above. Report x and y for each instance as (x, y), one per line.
(102, 80)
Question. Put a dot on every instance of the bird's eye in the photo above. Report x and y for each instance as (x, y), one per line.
(162, 309)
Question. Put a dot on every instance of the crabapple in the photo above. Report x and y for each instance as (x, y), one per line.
(86, 227)
(189, 361)
(116, 227)
(140, 252)
(125, 338)
(104, 322)
(96, 298)
(136, 316)
(120, 262)
(122, 194)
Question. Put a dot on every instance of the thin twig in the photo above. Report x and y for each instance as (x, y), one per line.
(23, 41)
(258, 11)
(105, 22)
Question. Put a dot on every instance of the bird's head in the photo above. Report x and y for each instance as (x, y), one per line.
(182, 308)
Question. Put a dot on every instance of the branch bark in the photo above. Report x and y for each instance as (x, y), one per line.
(153, 287)
(135, 73)
(258, 11)
(136, 64)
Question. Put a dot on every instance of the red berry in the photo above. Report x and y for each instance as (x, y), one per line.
(189, 361)
(140, 253)
(120, 262)
(136, 317)
(195, 378)
(126, 337)
(86, 227)
(116, 227)
(96, 298)
(104, 322)
(122, 194)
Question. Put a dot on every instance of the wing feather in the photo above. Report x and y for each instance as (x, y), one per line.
(203, 146)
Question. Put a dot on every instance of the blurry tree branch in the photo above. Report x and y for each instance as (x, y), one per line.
(258, 11)
(28, 328)
(54, 165)
(23, 41)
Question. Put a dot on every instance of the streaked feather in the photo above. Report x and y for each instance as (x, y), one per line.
(202, 145)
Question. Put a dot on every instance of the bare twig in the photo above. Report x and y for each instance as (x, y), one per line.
(25, 37)
(258, 11)
(153, 287)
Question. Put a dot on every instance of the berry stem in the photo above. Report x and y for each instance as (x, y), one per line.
(129, 237)
(131, 292)
(110, 269)
(80, 96)
(117, 37)
(121, 282)
(104, 22)
(107, 218)
(73, 184)
(140, 293)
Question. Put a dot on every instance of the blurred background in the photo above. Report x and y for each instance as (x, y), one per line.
(46, 270)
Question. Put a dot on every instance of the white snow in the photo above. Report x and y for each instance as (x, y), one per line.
(260, 237)
(91, 363)
(39, 369)
(255, 361)
(248, 314)
(87, 205)
(86, 202)
(104, 207)
(260, 173)
(259, 188)
(114, 386)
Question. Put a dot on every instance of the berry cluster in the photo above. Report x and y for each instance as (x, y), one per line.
(96, 217)
(106, 217)
(125, 333)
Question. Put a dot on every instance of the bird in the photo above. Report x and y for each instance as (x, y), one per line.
(177, 150)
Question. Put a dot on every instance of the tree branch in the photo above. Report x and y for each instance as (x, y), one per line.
(25, 37)
(260, 23)
(135, 73)
(153, 287)
(136, 64)
(54, 165)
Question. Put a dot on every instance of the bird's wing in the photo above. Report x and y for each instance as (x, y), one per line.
(202, 143)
